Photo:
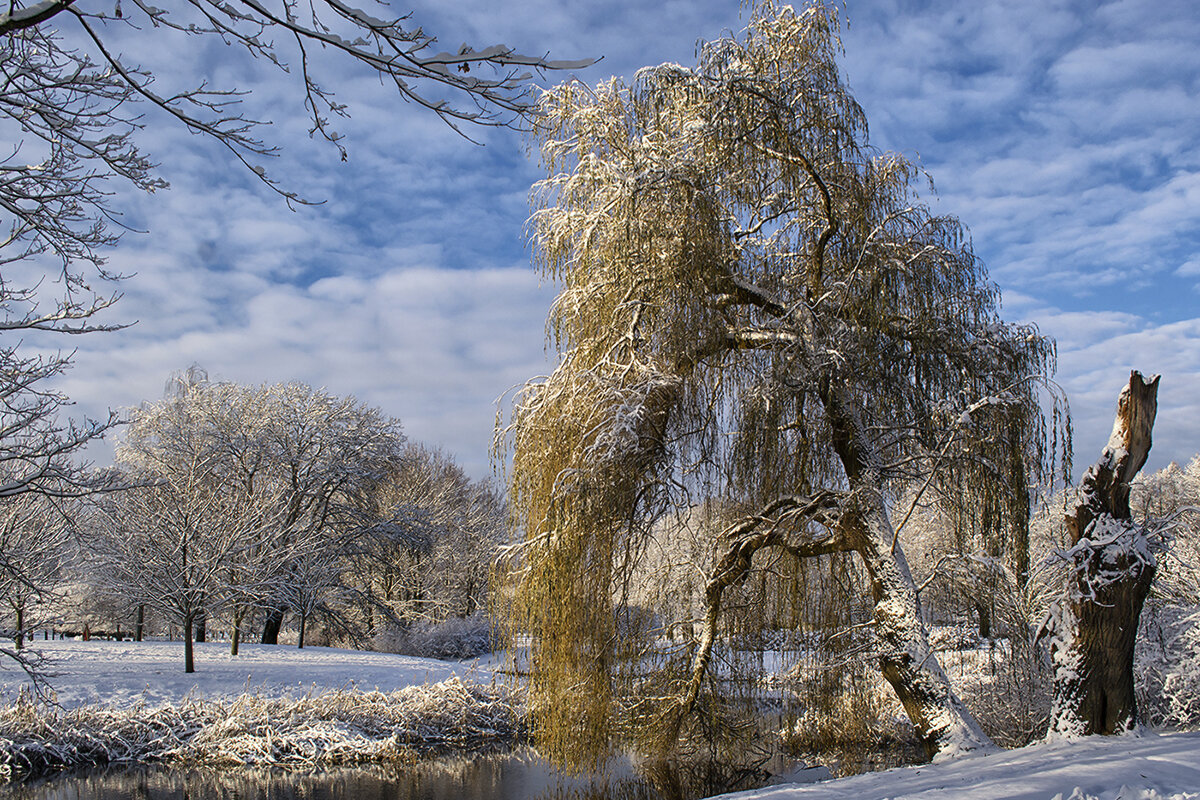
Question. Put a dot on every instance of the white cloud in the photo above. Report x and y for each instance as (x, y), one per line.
(433, 347)
(1097, 351)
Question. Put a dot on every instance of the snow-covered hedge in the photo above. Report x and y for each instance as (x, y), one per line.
(339, 727)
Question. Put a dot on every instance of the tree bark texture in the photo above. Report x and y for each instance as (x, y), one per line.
(141, 623)
(235, 636)
(1112, 566)
(907, 660)
(189, 658)
(272, 625)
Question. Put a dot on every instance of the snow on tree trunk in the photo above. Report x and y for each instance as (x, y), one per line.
(1113, 565)
(908, 662)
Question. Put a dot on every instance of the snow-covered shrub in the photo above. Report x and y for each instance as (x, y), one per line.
(1167, 661)
(953, 637)
(1006, 684)
(454, 638)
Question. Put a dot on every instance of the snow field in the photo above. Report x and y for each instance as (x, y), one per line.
(121, 674)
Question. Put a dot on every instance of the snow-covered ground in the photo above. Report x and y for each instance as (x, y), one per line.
(119, 674)
(1146, 767)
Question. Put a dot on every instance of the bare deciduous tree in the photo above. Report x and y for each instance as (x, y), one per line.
(308, 457)
(36, 544)
(428, 553)
(170, 540)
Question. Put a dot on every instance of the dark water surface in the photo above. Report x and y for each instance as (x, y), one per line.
(518, 775)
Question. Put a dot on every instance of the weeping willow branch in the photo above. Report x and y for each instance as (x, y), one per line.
(784, 524)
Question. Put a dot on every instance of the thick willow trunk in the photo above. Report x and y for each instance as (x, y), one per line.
(1113, 566)
(906, 658)
(908, 662)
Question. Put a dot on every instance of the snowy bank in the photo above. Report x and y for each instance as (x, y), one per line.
(326, 729)
(126, 702)
(1146, 767)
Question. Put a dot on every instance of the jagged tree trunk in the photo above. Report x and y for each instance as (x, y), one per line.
(1113, 565)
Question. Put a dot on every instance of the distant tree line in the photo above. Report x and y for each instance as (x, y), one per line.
(277, 506)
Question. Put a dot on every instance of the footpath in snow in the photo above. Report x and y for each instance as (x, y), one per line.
(119, 674)
(1150, 766)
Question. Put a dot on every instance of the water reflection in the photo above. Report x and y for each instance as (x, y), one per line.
(517, 775)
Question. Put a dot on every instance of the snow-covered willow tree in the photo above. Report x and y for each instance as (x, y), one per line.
(757, 314)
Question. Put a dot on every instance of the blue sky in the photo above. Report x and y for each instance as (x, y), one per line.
(1065, 135)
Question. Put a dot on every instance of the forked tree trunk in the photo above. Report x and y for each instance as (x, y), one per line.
(1113, 565)
(856, 521)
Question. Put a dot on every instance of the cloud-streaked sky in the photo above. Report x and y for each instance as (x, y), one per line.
(1066, 135)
